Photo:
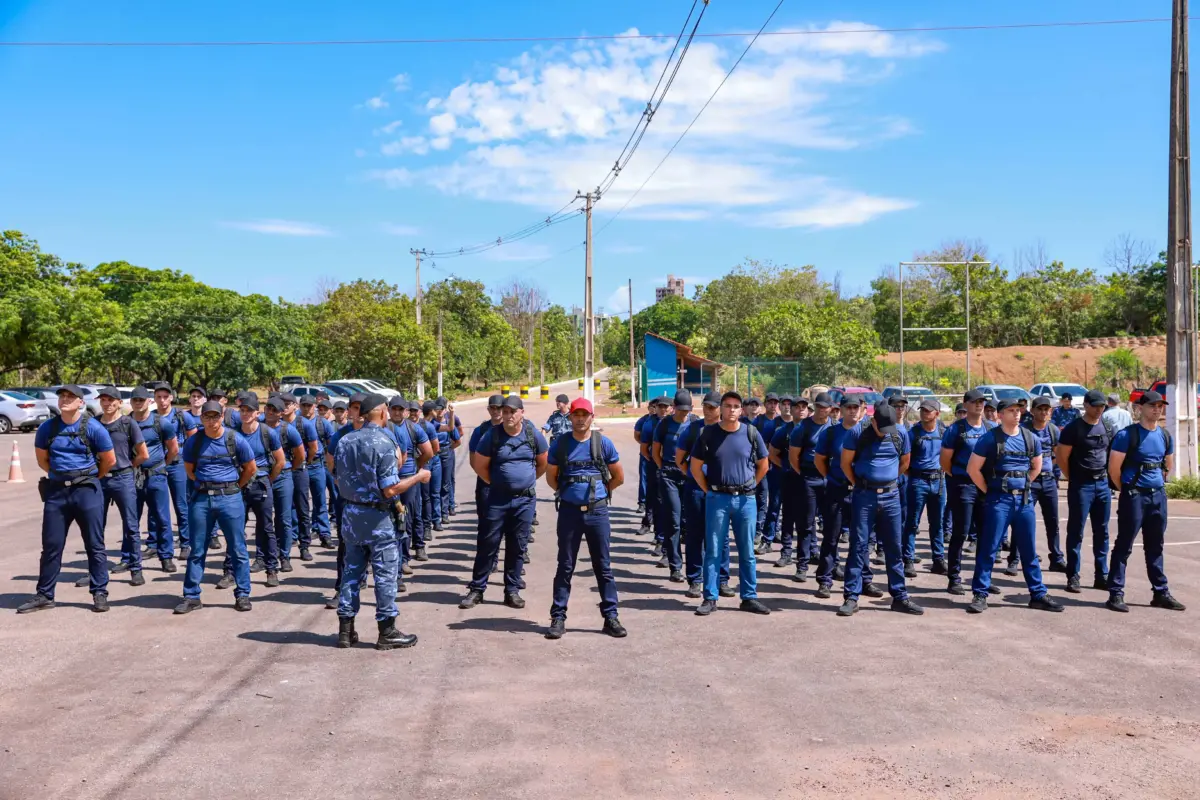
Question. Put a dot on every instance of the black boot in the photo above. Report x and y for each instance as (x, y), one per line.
(392, 639)
(347, 636)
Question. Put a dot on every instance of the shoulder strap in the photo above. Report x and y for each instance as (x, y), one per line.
(158, 428)
(866, 438)
(597, 446)
(1109, 431)
(531, 437)
(1032, 449)
(81, 434)
(562, 450)
(231, 444)
(266, 440)
(897, 443)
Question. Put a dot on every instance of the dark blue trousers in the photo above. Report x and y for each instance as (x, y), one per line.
(120, 491)
(789, 507)
(762, 499)
(431, 495)
(259, 499)
(282, 490)
(670, 483)
(881, 512)
(302, 507)
(641, 480)
(1000, 510)
(1087, 498)
(967, 509)
(812, 499)
(693, 538)
(573, 527)
(1044, 495)
(449, 479)
(155, 496)
(82, 504)
(412, 515)
(508, 520)
(653, 507)
(836, 514)
(774, 503)
(925, 492)
(447, 493)
(1145, 511)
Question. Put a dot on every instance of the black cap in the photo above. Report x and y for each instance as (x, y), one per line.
(727, 395)
(497, 401)
(512, 401)
(428, 406)
(212, 406)
(959, 408)
(357, 397)
(413, 405)
(140, 393)
(339, 403)
(803, 400)
(73, 388)
(973, 396)
(1113, 397)
(199, 389)
(287, 397)
(1041, 400)
(1008, 403)
(712, 399)
(163, 386)
(751, 401)
(248, 400)
(276, 404)
(1095, 397)
(307, 400)
(930, 404)
(438, 405)
(771, 396)
(109, 391)
(213, 393)
(323, 400)
(242, 395)
(683, 400)
(823, 400)
(372, 402)
(1065, 396)
(562, 398)
(851, 401)
(885, 416)
(786, 398)
(398, 402)
(897, 400)
(441, 400)
(989, 403)
(1150, 398)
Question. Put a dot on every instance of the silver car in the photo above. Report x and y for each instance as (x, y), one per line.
(20, 411)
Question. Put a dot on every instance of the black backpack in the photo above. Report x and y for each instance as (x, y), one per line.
(230, 448)
(530, 438)
(126, 422)
(1033, 449)
(1135, 441)
(596, 459)
(864, 443)
(80, 433)
(751, 433)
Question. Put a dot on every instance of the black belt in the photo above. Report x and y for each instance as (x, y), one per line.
(1094, 477)
(736, 491)
(78, 480)
(588, 507)
(118, 471)
(158, 469)
(1143, 490)
(927, 474)
(376, 506)
(298, 469)
(218, 487)
(672, 474)
(877, 488)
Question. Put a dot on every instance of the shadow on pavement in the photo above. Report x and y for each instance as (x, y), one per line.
(442, 598)
(501, 624)
(658, 603)
(160, 601)
(295, 637)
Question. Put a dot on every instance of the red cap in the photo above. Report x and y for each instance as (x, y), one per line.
(582, 403)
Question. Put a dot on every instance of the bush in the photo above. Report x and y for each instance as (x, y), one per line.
(1019, 356)
(618, 388)
(1187, 488)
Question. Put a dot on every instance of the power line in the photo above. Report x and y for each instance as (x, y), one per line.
(582, 37)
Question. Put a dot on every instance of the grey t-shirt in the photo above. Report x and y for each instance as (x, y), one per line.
(126, 436)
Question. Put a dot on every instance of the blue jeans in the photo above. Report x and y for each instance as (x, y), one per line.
(82, 504)
(1045, 494)
(774, 483)
(177, 482)
(721, 511)
(789, 505)
(369, 537)
(836, 512)
(1146, 511)
(301, 507)
(669, 488)
(1000, 510)
(967, 508)
(449, 480)
(447, 459)
(925, 492)
(119, 490)
(812, 499)
(694, 520)
(412, 515)
(881, 512)
(334, 500)
(507, 519)
(641, 480)
(431, 495)
(1088, 498)
(320, 510)
(229, 512)
(573, 526)
(155, 494)
(282, 489)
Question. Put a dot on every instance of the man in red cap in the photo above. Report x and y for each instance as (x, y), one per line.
(583, 469)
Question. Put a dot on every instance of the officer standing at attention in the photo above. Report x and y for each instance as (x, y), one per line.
(403, 446)
(1083, 458)
(495, 408)
(325, 411)
(751, 414)
(339, 413)
(1142, 456)
(1006, 460)
(728, 461)
(957, 446)
(76, 454)
(802, 450)
(653, 517)
(416, 456)
(836, 514)
(258, 495)
(900, 403)
(354, 422)
(637, 437)
(1045, 486)
(767, 423)
(583, 471)
(220, 464)
(872, 461)
(230, 416)
(316, 469)
(559, 423)
(431, 492)
(449, 435)
(926, 488)
(778, 453)
(369, 481)
(670, 480)
(1066, 413)
(509, 459)
(694, 504)
(164, 397)
(302, 503)
(283, 488)
(154, 492)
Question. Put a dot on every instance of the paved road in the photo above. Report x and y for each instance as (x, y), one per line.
(138, 703)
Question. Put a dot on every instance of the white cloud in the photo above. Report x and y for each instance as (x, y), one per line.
(400, 230)
(618, 302)
(837, 209)
(376, 103)
(443, 124)
(391, 127)
(406, 144)
(401, 82)
(280, 227)
(849, 38)
(392, 178)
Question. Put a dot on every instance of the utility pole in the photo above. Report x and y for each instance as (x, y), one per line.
(542, 337)
(439, 354)
(421, 369)
(1181, 315)
(633, 392)
(589, 324)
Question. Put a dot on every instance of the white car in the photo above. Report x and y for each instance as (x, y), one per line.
(1056, 390)
(126, 394)
(21, 412)
(999, 391)
(366, 385)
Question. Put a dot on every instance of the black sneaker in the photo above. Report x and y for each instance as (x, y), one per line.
(956, 587)
(824, 590)
(801, 574)
(910, 569)
(878, 559)
(557, 628)
(725, 590)
(437, 526)
(978, 604)
(1165, 600)
(118, 568)
(614, 628)
(848, 608)
(916, 559)
(1116, 602)
(421, 555)
(472, 599)
(521, 584)
(754, 606)
(906, 606)
(39, 603)
(1058, 566)
(168, 565)
(969, 547)
(814, 561)
(226, 581)
(643, 529)
(331, 602)
(401, 586)
(994, 589)
(641, 508)
(871, 590)
(100, 602)
(662, 562)
(706, 608)
(762, 549)
(136, 578)
(1012, 568)
(406, 568)
(83, 582)
(272, 579)
(514, 600)
(656, 551)
(258, 566)
(1004, 545)
(1046, 603)
(939, 567)
(1073, 584)
(785, 560)
(694, 591)
(242, 604)
(147, 550)
(676, 576)
(185, 553)
(188, 606)
(325, 542)
(305, 554)
(285, 565)
(214, 543)
(1101, 582)
(839, 572)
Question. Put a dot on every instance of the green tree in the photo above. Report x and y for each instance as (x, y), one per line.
(829, 344)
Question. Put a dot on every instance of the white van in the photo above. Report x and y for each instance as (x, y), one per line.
(367, 385)
(1056, 390)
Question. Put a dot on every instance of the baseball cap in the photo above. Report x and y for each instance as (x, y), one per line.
(751, 401)
(989, 403)
(413, 405)
(1065, 396)
(512, 401)
(711, 399)
(276, 404)
(372, 402)
(428, 406)
(212, 406)
(248, 400)
(287, 397)
(323, 401)
(786, 398)
(496, 401)
(959, 408)
(198, 389)
(823, 400)
(108, 391)
(1113, 397)
(683, 400)
(885, 416)
(727, 395)
(1095, 397)
(357, 397)
(973, 396)
(140, 393)
(398, 402)
(771, 396)
(162, 386)
(441, 400)
(339, 403)
(1008, 402)
(582, 404)
(1040, 401)
(930, 404)
(851, 401)
(803, 400)
(897, 400)
(1150, 398)
(562, 398)
(308, 400)
(215, 393)
(73, 388)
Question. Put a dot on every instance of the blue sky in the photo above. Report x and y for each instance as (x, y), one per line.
(271, 168)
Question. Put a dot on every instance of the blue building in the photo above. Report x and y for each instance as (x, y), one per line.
(668, 366)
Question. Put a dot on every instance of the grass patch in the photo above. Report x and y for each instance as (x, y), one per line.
(1187, 488)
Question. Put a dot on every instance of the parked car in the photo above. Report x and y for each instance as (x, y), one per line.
(1000, 391)
(867, 394)
(19, 410)
(41, 393)
(126, 394)
(1056, 390)
(334, 391)
(914, 395)
(288, 381)
(365, 385)
(1157, 386)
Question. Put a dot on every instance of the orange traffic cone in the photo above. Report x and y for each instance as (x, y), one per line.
(14, 466)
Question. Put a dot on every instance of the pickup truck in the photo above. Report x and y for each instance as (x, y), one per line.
(1157, 386)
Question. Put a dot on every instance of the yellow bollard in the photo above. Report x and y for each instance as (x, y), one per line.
(596, 384)
(524, 392)
(505, 389)
(545, 392)
(581, 384)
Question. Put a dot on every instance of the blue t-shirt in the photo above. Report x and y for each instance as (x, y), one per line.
(512, 468)
(1049, 465)
(262, 457)
(445, 438)
(961, 439)
(211, 457)
(431, 435)
(154, 445)
(477, 434)
(334, 440)
(767, 428)
(68, 452)
(649, 426)
(413, 436)
(666, 433)
(781, 440)
(881, 462)
(926, 448)
(1152, 448)
(399, 435)
(1012, 459)
(685, 440)
(730, 458)
(126, 436)
(322, 430)
(308, 432)
(579, 462)
(830, 445)
(290, 437)
(192, 421)
(637, 426)
(805, 437)
(183, 426)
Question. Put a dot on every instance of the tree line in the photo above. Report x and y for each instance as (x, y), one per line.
(66, 322)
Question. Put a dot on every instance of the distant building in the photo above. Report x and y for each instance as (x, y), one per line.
(674, 287)
(599, 321)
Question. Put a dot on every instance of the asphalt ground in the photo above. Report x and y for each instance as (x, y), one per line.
(138, 703)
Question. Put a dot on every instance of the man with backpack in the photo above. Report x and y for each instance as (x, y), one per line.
(417, 454)
(768, 493)
(258, 495)
(1083, 457)
(836, 513)
(660, 408)
(778, 454)
(728, 461)
(284, 486)
(317, 479)
(509, 459)
(1006, 461)
(1142, 457)
(670, 482)
(694, 504)
(431, 491)
(153, 489)
(966, 505)
(926, 484)
(164, 398)
(583, 470)
(1044, 488)
(802, 451)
